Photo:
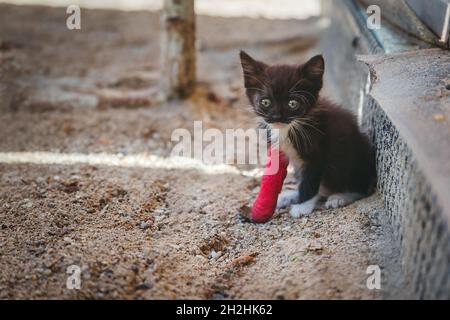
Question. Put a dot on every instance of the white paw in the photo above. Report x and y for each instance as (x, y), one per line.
(336, 201)
(287, 198)
(304, 209)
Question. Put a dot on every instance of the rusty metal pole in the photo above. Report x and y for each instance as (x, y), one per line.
(178, 49)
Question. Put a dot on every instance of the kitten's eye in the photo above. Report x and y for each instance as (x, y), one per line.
(265, 103)
(293, 104)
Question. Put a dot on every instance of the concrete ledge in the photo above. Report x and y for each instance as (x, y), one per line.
(420, 224)
(411, 88)
(402, 100)
(408, 111)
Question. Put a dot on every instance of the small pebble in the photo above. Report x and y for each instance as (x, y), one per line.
(159, 211)
(215, 255)
(145, 225)
(40, 180)
(199, 259)
(27, 204)
(143, 286)
(47, 272)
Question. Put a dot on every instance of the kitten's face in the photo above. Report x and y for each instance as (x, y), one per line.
(281, 94)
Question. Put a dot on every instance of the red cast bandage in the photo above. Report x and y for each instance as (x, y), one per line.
(271, 184)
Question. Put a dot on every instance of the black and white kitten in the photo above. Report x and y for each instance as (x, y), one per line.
(333, 160)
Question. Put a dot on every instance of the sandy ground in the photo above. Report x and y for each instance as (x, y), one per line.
(151, 233)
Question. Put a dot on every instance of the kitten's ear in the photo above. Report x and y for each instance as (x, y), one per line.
(253, 70)
(314, 68)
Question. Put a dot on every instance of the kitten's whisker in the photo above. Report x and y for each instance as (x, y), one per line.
(303, 99)
(304, 92)
(306, 139)
(307, 122)
(302, 124)
(295, 134)
(259, 113)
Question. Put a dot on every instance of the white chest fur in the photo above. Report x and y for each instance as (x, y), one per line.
(279, 136)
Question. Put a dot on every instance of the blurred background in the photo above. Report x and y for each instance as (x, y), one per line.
(271, 9)
(87, 177)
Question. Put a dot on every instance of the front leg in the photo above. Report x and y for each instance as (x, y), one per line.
(309, 182)
(308, 192)
(286, 198)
